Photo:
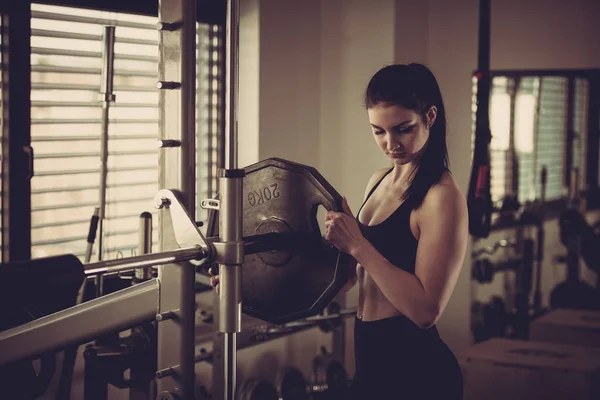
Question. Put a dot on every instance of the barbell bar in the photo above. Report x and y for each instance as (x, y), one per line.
(252, 245)
(265, 332)
(145, 260)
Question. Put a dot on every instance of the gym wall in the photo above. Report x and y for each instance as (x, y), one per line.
(304, 67)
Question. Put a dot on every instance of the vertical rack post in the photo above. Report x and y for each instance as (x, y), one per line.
(231, 213)
(177, 130)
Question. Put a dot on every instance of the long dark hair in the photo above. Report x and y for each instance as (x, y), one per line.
(415, 88)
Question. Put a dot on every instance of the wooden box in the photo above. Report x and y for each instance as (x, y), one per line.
(501, 369)
(576, 327)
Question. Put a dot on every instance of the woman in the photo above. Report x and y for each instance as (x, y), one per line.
(409, 241)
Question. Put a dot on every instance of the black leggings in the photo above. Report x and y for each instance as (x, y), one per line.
(395, 359)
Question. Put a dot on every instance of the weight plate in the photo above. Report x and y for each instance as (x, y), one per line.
(291, 384)
(337, 378)
(280, 286)
(330, 379)
(257, 389)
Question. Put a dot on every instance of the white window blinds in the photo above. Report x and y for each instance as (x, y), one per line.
(532, 133)
(65, 132)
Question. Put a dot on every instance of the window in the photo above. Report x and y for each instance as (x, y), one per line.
(537, 120)
(500, 107)
(66, 126)
(582, 88)
(551, 139)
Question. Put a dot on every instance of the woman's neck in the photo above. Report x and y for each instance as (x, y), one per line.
(401, 174)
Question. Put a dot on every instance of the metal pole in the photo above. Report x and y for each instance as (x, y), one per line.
(231, 84)
(188, 105)
(145, 245)
(145, 261)
(187, 285)
(141, 388)
(230, 306)
(177, 71)
(106, 89)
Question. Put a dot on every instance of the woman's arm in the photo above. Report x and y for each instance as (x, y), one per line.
(443, 225)
(352, 276)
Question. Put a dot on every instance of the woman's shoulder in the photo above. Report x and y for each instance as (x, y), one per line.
(376, 177)
(445, 196)
(447, 180)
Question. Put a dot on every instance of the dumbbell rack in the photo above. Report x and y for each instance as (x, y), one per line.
(492, 319)
(482, 272)
(255, 332)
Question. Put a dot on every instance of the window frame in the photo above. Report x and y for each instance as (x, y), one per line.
(591, 194)
(593, 144)
(17, 155)
(208, 11)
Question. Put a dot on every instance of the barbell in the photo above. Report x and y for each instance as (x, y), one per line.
(289, 271)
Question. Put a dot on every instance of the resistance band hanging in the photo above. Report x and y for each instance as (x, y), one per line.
(479, 199)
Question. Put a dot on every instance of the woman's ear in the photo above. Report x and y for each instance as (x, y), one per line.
(431, 116)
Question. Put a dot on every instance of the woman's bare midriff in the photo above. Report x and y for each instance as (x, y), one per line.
(372, 304)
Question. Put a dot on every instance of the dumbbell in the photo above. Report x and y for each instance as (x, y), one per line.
(489, 319)
(329, 380)
(571, 223)
(482, 271)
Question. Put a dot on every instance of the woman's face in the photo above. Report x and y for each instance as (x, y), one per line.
(399, 132)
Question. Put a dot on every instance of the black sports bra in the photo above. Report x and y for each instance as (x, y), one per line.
(393, 237)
